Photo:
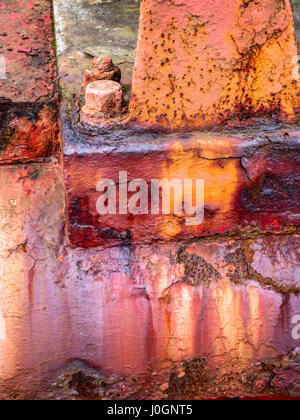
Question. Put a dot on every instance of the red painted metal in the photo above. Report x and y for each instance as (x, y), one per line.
(249, 187)
(29, 92)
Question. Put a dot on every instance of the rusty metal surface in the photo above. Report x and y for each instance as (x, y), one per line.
(28, 133)
(98, 28)
(193, 319)
(29, 90)
(229, 303)
(26, 43)
(92, 154)
(200, 63)
(251, 185)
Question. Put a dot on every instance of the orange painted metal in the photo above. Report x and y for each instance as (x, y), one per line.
(200, 63)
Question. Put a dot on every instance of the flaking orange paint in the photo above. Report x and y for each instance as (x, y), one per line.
(200, 63)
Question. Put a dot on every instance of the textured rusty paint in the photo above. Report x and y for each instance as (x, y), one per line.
(200, 63)
(173, 305)
(183, 380)
(29, 92)
(207, 318)
(251, 186)
(103, 68)
(28, 133)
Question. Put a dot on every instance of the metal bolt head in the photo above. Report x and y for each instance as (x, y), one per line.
(104, 96)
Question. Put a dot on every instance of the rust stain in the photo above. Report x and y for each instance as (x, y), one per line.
(200, 64)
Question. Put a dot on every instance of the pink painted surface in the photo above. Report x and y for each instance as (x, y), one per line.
(125, 309)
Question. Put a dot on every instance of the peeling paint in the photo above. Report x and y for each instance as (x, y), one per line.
(250, 184)
(208, 315)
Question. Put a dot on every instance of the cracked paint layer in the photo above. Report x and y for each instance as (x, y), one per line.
(26, 42)
(172, 304)
(200, 63)
(251, 184)
(188, 380)
(207, 317)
